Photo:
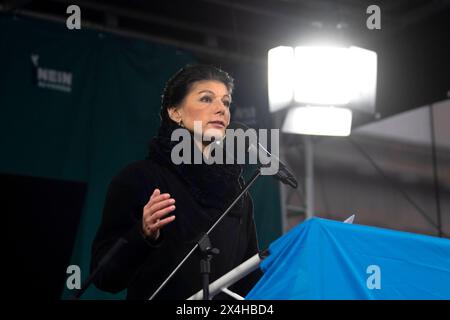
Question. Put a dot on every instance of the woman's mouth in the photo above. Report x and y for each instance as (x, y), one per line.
(217, 124)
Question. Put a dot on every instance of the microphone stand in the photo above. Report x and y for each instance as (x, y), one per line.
(206, 249)
(104, 261)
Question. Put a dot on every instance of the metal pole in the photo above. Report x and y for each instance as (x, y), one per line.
(435, 172)
(231, 206)
(284, 210)
(231, 277)
(309, 176)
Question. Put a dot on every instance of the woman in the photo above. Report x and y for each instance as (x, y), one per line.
(161, 208)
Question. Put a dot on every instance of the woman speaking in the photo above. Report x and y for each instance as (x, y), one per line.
(160, 208)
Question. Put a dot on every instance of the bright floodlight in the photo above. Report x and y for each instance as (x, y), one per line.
(364, 79)
(280, 77)
(326, 121)
(322, 75)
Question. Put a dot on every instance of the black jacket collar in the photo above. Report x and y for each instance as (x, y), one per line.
(212, 185)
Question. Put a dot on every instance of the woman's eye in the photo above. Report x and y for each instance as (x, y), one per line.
(226, 103)
(206, 99)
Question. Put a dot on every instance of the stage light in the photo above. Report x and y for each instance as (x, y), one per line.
(280, 77)
(320, 85)
(364, 79)
(322, 76)
(318, 120)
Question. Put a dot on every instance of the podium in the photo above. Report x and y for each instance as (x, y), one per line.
(325, 259)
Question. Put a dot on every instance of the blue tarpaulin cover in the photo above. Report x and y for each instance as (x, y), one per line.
(325, 259)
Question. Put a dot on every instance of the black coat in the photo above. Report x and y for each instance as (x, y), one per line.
(140, 266)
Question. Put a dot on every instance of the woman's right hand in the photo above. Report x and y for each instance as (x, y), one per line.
(156, 208)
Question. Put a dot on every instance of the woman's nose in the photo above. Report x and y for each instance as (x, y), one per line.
(220, 107)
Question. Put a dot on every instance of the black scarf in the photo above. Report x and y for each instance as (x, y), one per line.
(212, 185)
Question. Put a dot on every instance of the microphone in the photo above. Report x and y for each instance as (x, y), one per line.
(284, 174)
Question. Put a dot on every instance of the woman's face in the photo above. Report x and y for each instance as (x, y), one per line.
(208, 101)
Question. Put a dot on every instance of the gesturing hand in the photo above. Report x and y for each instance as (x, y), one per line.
(154, 211)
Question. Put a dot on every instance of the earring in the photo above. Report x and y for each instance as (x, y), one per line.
(181, 123)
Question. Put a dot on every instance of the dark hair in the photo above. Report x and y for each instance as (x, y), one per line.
(178, 86)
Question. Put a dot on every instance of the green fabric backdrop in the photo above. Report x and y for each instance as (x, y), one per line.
(103, 123)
